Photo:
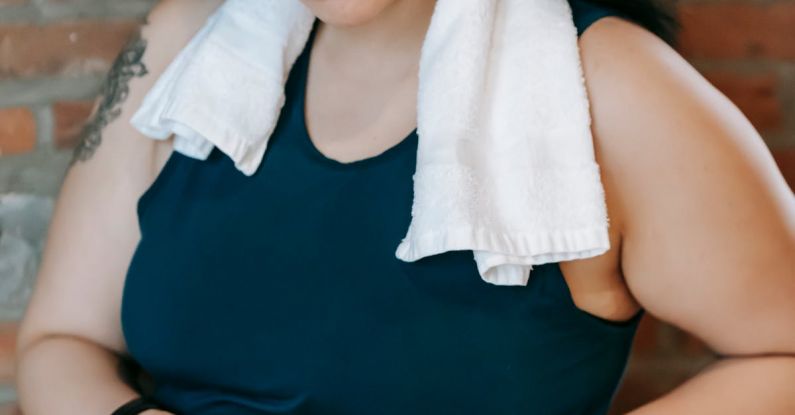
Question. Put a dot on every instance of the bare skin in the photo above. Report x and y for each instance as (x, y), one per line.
(377, 70)
(702, 223)
(70, 338)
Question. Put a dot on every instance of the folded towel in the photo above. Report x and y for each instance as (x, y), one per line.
(505, 160)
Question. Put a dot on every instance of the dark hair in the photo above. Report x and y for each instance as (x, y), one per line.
(658, 17)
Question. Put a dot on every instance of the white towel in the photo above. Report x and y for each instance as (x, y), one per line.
(505, 163)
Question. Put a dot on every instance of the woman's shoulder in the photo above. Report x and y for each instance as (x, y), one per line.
(667, 140)
(622, 60)
(706, 214)
(169, 27)
(171, 23)
(587, 12)
(110, 146)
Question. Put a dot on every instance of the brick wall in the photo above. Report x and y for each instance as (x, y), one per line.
(53, 56)
(54, 53)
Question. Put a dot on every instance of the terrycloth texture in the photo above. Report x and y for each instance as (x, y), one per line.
(505, 162)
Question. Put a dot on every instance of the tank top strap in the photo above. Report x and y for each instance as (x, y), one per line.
(586, 12)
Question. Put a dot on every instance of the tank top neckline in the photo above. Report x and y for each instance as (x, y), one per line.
(302, 64)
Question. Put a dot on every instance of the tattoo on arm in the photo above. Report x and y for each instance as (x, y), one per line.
(127, 65)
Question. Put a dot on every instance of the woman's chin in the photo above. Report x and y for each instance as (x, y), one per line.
(347, 13)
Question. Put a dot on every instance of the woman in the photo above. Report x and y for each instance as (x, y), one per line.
(278, 315)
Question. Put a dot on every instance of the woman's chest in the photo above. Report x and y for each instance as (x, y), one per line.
(283, 287)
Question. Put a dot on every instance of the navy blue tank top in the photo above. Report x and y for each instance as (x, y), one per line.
(279, 293)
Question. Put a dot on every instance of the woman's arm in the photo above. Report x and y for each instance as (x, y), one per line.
(64, 374)
(708, 241)
(70, 338)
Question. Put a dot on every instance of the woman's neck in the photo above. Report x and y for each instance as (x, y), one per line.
(392, 39)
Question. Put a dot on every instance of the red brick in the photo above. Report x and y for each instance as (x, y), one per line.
(785, 158)
(738, 29)
(68, 48)
(755, 94)
(70, 117)
(8, 336)
(17, 131)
